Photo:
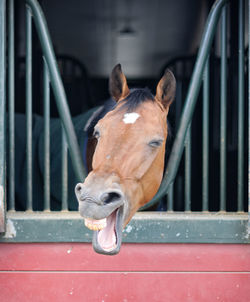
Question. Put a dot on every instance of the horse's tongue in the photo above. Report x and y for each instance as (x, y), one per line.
(107, 236)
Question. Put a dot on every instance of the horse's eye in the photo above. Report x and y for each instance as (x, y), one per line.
(96, 134)
(156, 143)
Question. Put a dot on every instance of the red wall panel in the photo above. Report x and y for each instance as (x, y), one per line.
(133, 257)
(141, 272)
(118, 286)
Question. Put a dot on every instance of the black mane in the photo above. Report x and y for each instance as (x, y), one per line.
(98, 114)
(135, 98)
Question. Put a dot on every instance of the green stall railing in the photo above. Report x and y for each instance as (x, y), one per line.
(182, 141)
(191, 99)
(164, 227)
(2, 117)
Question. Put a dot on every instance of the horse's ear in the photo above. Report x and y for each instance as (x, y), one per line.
(118, 86)
(165, 91)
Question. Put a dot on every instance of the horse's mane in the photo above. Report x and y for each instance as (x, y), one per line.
(98, 114)
(135, 98)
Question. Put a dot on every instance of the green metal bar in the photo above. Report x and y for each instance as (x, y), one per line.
(194, 87)
(46, 91)
(163, 227)
(188, 170)
(29, 106)
(64, 172)
(205, 139)
(2, 115)
(57, 86)
(11, 96)
(223, 110)
(241, 108)
(170, 198)
(248, 119)
(178, 105)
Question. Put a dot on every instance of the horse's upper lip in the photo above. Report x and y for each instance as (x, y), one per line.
(93, 210)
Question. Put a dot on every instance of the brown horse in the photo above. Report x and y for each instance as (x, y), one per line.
(128, 160)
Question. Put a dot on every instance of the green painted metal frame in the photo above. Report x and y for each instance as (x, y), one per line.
(145, 227)
(205, 141)
(2, 115)
(28, 82)
(11, 102)
(223, 111)
(249, 119)
(46, 90)
(241, 116)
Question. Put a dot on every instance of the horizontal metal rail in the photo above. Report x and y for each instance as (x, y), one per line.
(144, 227)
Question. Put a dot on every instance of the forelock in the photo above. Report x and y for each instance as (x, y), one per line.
(136, 97)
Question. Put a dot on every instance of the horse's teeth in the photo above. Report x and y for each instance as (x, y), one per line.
(96, 225)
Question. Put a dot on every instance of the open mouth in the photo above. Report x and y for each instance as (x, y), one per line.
(107, 232)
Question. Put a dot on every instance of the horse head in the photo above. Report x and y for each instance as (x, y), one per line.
(128, 161)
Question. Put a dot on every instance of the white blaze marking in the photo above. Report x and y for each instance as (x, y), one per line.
(130, 118)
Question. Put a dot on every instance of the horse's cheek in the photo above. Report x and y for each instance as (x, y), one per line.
(152, 178)
(97, 158)
(144, 165)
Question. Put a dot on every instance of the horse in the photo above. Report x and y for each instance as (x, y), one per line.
(128, 159)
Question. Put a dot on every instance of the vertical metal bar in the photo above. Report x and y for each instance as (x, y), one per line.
(241, 108)
(188, 170)
(170, 200)
(46, 91)
(223, 113)
(178, 104)
(205, 138)
(64, 172)
(2, 114)
(11, 95)
(29, 106)
(248, 117)
(58, 89)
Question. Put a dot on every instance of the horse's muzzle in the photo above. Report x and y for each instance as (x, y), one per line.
(103, 211)
(97, 204)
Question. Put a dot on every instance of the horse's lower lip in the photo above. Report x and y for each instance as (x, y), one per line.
(113, 245)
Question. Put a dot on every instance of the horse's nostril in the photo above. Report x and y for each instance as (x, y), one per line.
(110, 197)
(78, 189)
